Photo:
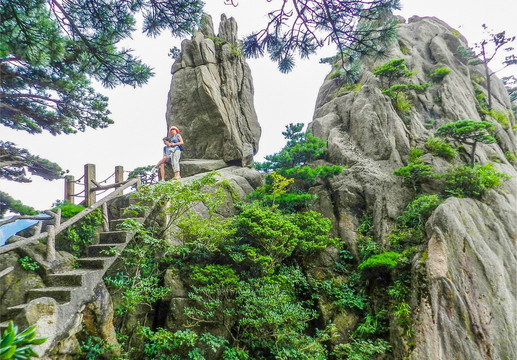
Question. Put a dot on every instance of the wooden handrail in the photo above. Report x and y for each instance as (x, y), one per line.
(72, 220)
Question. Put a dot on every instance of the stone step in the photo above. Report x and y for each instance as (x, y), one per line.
(116, 224)
(13, 311)
(131, 214)
(114, 237)
(104, 250)
(62, 294)
(93, 262)
(69, 278)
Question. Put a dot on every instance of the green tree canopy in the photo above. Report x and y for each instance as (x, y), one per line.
(301, 27)
(49, 52)
(468, 132)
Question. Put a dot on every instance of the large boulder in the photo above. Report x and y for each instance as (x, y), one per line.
(471, 269)
(211, 97)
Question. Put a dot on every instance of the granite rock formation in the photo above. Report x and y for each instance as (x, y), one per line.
(211, 97)
(468, 306)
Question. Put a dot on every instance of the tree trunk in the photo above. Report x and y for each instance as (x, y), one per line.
(488, 88)
(473, 154)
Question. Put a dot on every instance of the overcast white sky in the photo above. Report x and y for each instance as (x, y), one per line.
(139, 114)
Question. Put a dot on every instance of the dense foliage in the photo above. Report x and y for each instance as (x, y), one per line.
(240, 274)
(293, 170)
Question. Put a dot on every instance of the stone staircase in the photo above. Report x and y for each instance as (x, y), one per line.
(73, 289)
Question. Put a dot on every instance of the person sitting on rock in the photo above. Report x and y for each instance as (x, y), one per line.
(166, 159)
(171, 153)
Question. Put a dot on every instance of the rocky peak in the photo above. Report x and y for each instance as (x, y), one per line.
(211, 96)
(471, 248)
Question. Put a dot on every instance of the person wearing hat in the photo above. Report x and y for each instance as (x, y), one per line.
(171, 153)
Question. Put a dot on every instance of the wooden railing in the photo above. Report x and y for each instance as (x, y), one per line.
(54, 229)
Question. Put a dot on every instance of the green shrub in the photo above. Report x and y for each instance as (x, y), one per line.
(68, 209)
(418, 211)
(94, 348)
(387, 259)
(415, 172)
(464, 181)
(393, 69)
(362, 349)
(163, 344)
(14, 345)
(81, 234)
(440, 148)
(511, 157)
(402, 104)
(294, 162)
(439, 74)
(345, 295)
(468, 132)
(501, 118)
(349, 88)
(28, 263)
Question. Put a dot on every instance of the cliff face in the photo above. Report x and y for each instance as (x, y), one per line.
(466, 303)
(211, 97)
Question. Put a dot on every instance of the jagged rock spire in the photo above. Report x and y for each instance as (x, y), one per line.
(211, 96)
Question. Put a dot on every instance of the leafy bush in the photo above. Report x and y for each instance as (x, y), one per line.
(68, 209)
(28, 263)
(345, 295)
(387, 259)
(94, 348)
(439, 74)
(464, 181)
(293, 162)
(301, 148)
(511, 157)
(418, 211)
(81, 234)
(440, 148)
(362, 349)
(163, 344)
(268, 236)
(415, 172)
(349, 88)
(14, 345)
(393, 69)
(501, 118)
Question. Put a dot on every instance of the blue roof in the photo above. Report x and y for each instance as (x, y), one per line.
(8, 230)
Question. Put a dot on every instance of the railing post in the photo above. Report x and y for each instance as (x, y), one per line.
(105, 219)
(69, 188)
(51, 243)
(57, 219)
(89, 175)
(119, 174)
